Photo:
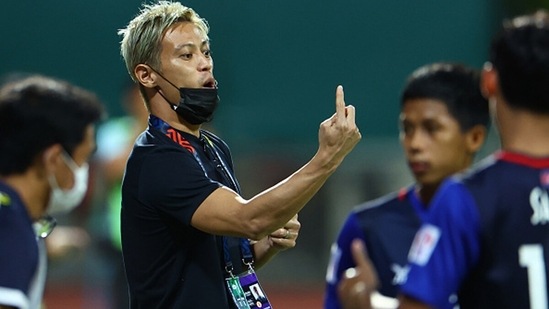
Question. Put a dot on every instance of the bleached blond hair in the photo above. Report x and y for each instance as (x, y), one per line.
(141, 39)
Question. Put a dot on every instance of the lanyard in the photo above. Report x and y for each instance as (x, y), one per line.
(209, 148)
(220, 164)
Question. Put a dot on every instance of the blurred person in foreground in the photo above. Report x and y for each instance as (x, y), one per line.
(487, 236)
(443, 123)
(189, 240)
(47, 135)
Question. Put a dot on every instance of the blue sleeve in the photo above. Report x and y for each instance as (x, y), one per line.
(445, 248)
(341, 259)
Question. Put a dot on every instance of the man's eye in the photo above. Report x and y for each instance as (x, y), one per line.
(207, 53)
(406, 129)
(432, 128)
(186, 56)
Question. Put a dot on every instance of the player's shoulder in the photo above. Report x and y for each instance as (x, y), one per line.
(459, 195)
(388, 202)
(486, 175)
(486, 170)
(10, 201)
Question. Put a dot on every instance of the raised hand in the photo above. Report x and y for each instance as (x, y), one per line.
(358, 283)
(338, 134)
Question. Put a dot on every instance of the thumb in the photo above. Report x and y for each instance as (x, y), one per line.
(364, 264)
(359, 253)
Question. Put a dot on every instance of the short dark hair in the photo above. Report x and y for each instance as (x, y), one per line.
(455, 85)
(37, 112)
(520, 55)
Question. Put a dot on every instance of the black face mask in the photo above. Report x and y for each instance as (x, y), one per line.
(196, 105)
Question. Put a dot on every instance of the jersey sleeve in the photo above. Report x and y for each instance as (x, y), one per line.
(174, 183)
(445, 248)
(341, 259)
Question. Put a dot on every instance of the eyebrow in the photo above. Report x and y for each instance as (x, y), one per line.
(191, 45)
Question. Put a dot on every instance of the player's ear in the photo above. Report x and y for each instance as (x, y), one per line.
(488, 80)
(145, 75)
(51, 157)
(475, 138)
(49, 161)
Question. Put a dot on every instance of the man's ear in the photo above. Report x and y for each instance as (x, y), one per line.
(145, 75)
(51, 158)
(475, 138)
(488, 80)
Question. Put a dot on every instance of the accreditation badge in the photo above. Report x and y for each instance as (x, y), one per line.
(237, 293)
(255, 295)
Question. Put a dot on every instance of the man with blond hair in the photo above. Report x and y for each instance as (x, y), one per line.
(189, 239)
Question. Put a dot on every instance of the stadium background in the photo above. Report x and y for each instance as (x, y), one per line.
(277, 63)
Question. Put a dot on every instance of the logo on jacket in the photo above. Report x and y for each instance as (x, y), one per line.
(5, 199)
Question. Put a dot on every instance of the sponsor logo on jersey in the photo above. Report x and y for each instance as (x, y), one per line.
(539, 201)
(401, 273)
(424, 244)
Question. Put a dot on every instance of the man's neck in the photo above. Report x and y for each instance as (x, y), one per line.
(426, 192)
(175, 121)
(31, 190)
(524, 132)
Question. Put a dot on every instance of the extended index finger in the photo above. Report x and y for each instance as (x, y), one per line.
(340, 103)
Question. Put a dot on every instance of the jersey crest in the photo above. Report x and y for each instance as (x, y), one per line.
(424, 244)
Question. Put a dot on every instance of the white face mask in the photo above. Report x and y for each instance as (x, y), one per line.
(63, 201)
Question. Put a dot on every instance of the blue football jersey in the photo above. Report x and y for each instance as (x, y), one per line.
(18, 250)
(387, 226)
(486, 239)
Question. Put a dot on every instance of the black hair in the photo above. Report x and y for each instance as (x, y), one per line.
(37, 112)
(520, 55)
(455, 85)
